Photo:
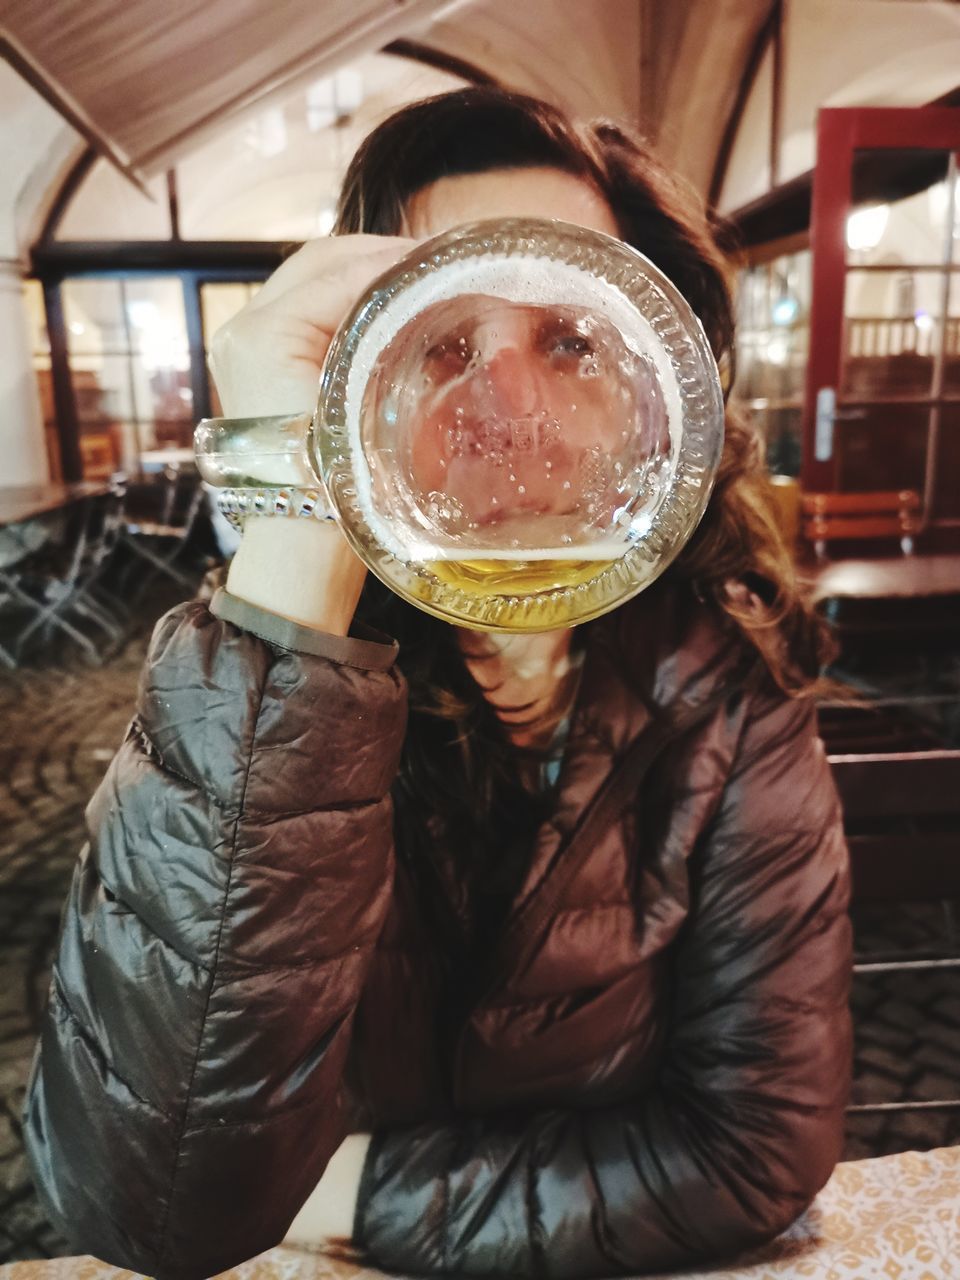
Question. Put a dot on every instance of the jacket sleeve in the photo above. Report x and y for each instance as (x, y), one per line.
(184, 1098)
(745, 1123)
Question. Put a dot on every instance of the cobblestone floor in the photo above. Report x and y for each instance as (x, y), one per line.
(58, 730)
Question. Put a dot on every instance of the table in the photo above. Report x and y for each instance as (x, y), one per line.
(23, 531)
(152, 460)
(22, 502)
(898, 577)
(893, 1218)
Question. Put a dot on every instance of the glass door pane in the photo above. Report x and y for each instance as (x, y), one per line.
(160, 362)
(951, 351)
(897, 268)
(220, 301)
(899, 207)
(773, 330)
(98, 352)
(945, 504)
(130, 368)
(890, 337)
(882, 448)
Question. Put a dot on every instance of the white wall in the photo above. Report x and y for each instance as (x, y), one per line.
(22, 450)
(748, 169)
(844, 53)
(36, 148)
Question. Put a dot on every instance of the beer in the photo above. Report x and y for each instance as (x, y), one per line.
(524, 573)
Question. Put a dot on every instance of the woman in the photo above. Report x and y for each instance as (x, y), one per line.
(336, 887)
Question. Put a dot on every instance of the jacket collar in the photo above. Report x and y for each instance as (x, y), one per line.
(664, 650)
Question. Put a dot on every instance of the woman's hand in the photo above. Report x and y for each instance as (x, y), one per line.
(267, 360)
(326, 1220)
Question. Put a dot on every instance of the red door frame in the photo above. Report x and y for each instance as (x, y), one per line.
(840, 132)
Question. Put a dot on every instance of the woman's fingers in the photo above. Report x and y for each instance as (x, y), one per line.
(324, 300)
(267, 359)
(325, 257)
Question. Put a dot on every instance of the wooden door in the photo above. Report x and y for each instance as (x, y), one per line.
(882, 401)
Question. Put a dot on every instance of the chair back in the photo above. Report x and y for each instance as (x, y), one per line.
(104, 523)
(183, 495)
(832, 517)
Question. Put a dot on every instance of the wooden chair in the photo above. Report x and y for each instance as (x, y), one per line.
(861, 517)
(163, 541)
(98, 454)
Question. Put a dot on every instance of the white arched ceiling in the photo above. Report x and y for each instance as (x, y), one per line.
(145, 80)
(640, 60)
(840, 53)
(861, 53)
(585, 57)
(233, 187)
(747, 176)
(910, 78)
(674, 69)
(700, 76)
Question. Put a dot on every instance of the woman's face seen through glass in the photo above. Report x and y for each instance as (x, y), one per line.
(524, 411)
(516, 412)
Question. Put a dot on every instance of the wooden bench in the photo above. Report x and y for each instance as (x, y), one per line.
(902, 816)
(861, 517)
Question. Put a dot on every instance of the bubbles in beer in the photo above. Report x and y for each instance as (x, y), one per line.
(505, 435)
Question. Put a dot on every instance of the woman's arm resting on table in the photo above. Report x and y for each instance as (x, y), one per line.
(185, 1096)
(746, 1123)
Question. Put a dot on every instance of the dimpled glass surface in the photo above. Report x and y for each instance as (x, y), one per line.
(519, 426)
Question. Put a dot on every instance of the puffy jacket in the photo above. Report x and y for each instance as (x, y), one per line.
(653, 1071)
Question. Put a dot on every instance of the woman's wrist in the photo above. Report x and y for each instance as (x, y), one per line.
(329, 1213)
(299, 569)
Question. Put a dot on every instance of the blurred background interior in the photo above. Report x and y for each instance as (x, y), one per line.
(154, 173)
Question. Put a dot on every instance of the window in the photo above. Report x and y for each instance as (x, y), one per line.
(136, 341)
(129, 368)
(773, 307)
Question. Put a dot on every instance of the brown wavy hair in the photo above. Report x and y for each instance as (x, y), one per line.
(736, 560)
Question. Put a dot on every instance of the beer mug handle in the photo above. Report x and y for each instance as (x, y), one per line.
(256, 453)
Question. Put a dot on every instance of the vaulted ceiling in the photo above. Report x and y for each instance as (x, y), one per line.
(146, 80)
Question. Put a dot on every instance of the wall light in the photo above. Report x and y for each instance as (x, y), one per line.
(937, 200)
(785, 310)
(776, 351)
(865, 227)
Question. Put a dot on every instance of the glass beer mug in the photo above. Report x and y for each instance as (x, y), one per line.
(518, 426)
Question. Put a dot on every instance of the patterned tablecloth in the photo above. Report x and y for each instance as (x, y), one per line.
(895, 1218)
